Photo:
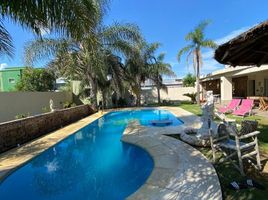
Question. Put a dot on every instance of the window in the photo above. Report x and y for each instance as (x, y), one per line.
(11, 80)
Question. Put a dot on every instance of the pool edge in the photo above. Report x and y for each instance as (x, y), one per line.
(17, 157)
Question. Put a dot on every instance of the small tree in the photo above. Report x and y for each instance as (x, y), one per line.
(189, 80)
(36, 80)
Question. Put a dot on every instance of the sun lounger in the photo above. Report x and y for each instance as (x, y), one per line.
(231, 106)
(245, 107)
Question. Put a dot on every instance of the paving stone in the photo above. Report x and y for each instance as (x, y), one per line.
(149, 192)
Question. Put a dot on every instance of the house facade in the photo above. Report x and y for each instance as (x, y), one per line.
(9, 78)
(237, 82)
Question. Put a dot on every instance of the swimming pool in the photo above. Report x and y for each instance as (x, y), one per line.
(91, 164)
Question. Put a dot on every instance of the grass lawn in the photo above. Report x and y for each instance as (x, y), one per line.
(227, 173)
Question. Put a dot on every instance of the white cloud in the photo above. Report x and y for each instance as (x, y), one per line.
(3, 66)
(232, 35)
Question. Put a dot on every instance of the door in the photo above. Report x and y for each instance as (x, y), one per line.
(251, 89)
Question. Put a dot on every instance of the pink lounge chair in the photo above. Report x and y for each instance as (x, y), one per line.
(231, 106)
(245, 108)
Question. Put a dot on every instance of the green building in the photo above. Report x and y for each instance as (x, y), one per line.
(9, 78)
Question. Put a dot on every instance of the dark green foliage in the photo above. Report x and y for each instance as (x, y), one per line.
(21, 116)
(192, 96)
(122, 102)
(189, 80)
(68, 104)
(36, 80)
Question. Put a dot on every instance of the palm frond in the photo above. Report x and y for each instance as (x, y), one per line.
(127, 32)
(184, 50)
(45, 48)
(202, 25)
(209, 44)
(70, 17)
(6, 46)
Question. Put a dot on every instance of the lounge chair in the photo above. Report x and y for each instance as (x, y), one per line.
(233, 105)
(245, 107)
(263, 104)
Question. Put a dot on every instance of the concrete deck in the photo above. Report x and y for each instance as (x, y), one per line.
(180, 172)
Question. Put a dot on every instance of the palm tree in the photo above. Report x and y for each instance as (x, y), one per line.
(137, 66)
(68, 17)
(197, 42)
(157, 70)
(86, 59)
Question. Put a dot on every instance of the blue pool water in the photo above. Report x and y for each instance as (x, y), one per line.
(91, 164)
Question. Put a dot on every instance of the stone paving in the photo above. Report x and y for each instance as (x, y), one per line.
(180, 171)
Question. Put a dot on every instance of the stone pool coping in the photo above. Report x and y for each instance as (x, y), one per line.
(184, 167)
(180, 171)
(14, 158)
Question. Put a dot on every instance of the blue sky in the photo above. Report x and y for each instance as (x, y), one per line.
(168, 21)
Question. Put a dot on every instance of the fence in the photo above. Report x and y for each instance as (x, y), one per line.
(174, 93)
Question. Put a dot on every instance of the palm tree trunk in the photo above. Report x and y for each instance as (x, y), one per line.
(197, 76)
(158, 94)
(138, 96)
(93, 93)
(104, 100)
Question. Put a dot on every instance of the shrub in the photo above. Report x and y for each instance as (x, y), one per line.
(21, 116)
(192, 96)
(68, 104)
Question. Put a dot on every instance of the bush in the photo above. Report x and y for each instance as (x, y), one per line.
(45, 110)
(166, 103)
(192, 96)
(36, 80)
(68, 104)
(21, 116)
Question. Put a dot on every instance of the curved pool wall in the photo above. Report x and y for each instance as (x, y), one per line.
(91, 164)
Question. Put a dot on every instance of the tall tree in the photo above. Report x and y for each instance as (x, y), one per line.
(138, 66)
(197, 42)
(156, 72)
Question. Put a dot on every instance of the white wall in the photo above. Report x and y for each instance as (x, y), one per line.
(174, 93)
(226, 89)
(14, 103)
